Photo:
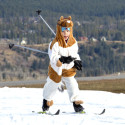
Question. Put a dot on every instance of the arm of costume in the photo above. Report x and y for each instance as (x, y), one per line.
(53, 53)
(54, 58)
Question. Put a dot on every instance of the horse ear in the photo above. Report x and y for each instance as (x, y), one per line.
(69, 17)
(61, 18)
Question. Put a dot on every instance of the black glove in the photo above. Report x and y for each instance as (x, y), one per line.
(78, 64)
(67, 60)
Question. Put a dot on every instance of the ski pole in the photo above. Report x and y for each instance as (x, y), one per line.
(61, 87)
(35, 50)
(12, 45)
(38, 12)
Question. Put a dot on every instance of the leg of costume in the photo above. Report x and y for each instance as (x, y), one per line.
(72, 88)
(50, 89)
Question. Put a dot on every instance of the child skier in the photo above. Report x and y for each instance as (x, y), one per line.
(64, 61)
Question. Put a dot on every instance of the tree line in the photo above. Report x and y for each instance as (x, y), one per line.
(18, 19)
(98, 58)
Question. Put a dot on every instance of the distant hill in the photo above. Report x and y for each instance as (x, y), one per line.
(98, 58)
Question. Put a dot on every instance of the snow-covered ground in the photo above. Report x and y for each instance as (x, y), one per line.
(17, 104)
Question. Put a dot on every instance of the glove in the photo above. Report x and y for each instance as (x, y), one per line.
(78, 64)
(65, 59)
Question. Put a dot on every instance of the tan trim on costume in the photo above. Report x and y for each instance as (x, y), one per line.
(78, 102)
(50, 103)
(58, 64)
(69, 72)
(53, 75)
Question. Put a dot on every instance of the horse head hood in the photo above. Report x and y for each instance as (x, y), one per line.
(64, 22)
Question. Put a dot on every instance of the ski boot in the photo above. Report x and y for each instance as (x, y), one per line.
(46, 104)
(77, 106)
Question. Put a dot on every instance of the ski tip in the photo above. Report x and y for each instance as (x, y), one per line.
(103, 111)
(38, 12)
(57, 113)
(11, 45)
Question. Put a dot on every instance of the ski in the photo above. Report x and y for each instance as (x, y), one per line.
(103, 111)
(47, 113)
(83, 112)
(58, 112)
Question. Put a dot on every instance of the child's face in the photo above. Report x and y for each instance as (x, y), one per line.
(65, 33)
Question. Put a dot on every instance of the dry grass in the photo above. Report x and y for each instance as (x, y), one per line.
(117, 85)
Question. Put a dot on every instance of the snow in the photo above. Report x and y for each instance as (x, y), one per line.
(17, 104)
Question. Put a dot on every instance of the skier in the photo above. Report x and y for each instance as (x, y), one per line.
(64, 61)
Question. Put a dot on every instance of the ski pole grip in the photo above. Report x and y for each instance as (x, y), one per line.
(38, 12)
(11, 45)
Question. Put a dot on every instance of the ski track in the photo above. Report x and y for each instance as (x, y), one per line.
(17, 104)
